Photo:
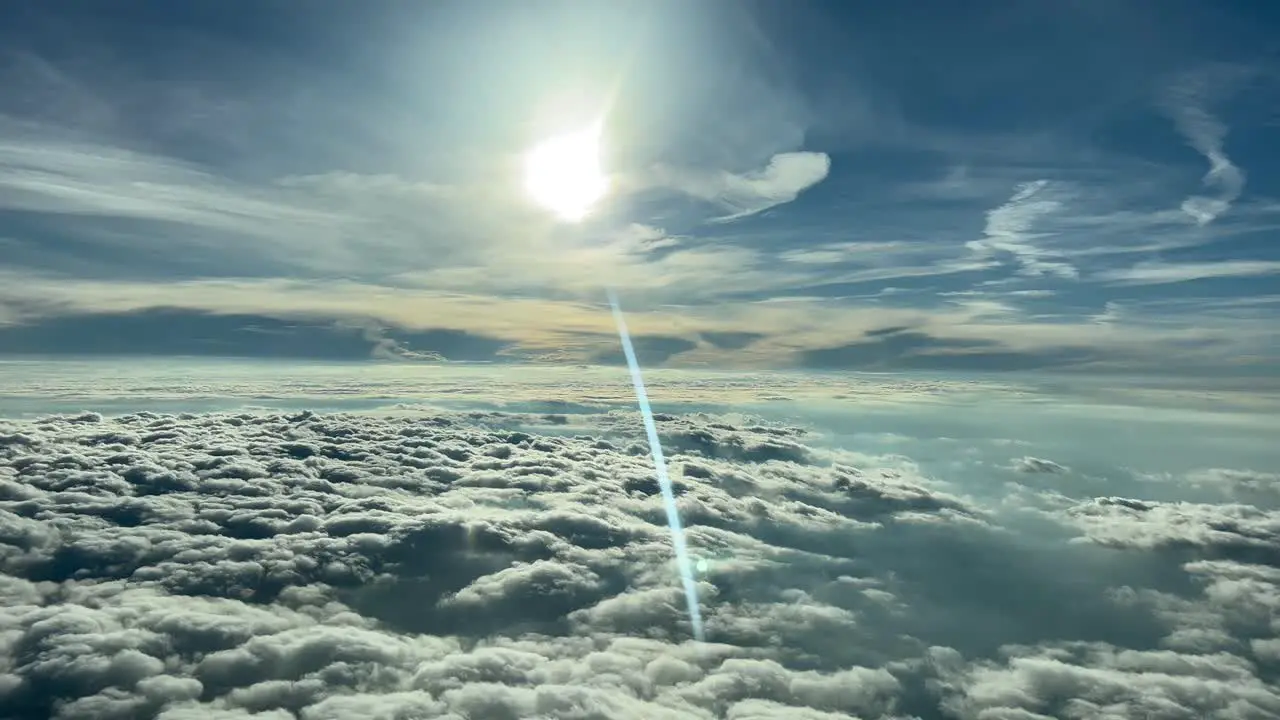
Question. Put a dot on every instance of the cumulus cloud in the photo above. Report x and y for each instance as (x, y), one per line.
(1222, 528)
(1094, 680)
(344, 566)
(1253, 484)
(469, 565)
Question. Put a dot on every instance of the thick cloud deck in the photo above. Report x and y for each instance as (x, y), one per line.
(476, 566)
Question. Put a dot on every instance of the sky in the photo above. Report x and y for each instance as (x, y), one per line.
(1078, 187)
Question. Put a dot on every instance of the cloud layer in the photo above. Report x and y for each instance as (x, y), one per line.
(495, 565)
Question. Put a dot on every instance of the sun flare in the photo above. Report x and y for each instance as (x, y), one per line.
(563, 173)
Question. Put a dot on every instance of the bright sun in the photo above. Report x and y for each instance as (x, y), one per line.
(563, 173)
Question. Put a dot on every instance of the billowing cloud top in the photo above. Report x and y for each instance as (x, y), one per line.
(1069, 186)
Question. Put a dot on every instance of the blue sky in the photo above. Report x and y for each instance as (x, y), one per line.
(1075, 186)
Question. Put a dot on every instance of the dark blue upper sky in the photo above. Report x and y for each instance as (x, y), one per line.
(1003, 184)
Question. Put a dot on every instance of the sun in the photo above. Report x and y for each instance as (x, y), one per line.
(563, 173)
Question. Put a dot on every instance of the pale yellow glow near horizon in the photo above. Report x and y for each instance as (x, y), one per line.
(563, 173)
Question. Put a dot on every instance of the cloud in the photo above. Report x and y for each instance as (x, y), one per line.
(129, 204)
(1083, 680)
(1186, 101)
(83, 179)
(458, 257)
(143, 216)
(1237, 483)
(470, 565)
(256, 317)
(331, 320)
(833, 253)
(1230, 530)
(731, 340)
(908, 348)
(1033, 465)
(39, 385)
(655, 350)
(1010, 229)
(1157, 273)
(324, 564)
(745, 194)
(170, 331)
(386, 348)
(152, 216)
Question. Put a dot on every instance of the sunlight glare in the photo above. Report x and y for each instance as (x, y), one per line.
(563, 173)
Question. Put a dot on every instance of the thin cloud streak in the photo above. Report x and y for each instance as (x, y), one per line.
(1155, 273)
(749, 193)
(61, 178)
(1011, 228)
(1186, 102)
(377, 225)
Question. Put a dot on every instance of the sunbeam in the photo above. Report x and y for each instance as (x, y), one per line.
(683, 564)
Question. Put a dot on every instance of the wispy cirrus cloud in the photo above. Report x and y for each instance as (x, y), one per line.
(45, 175)
(1187, 102)
(391, 229)
(463, 236)
(137, 204)
(832, 253)
(744, 194)
(1157, 273)
(1011, 228)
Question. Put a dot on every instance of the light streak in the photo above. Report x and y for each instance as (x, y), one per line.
(683, 564)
